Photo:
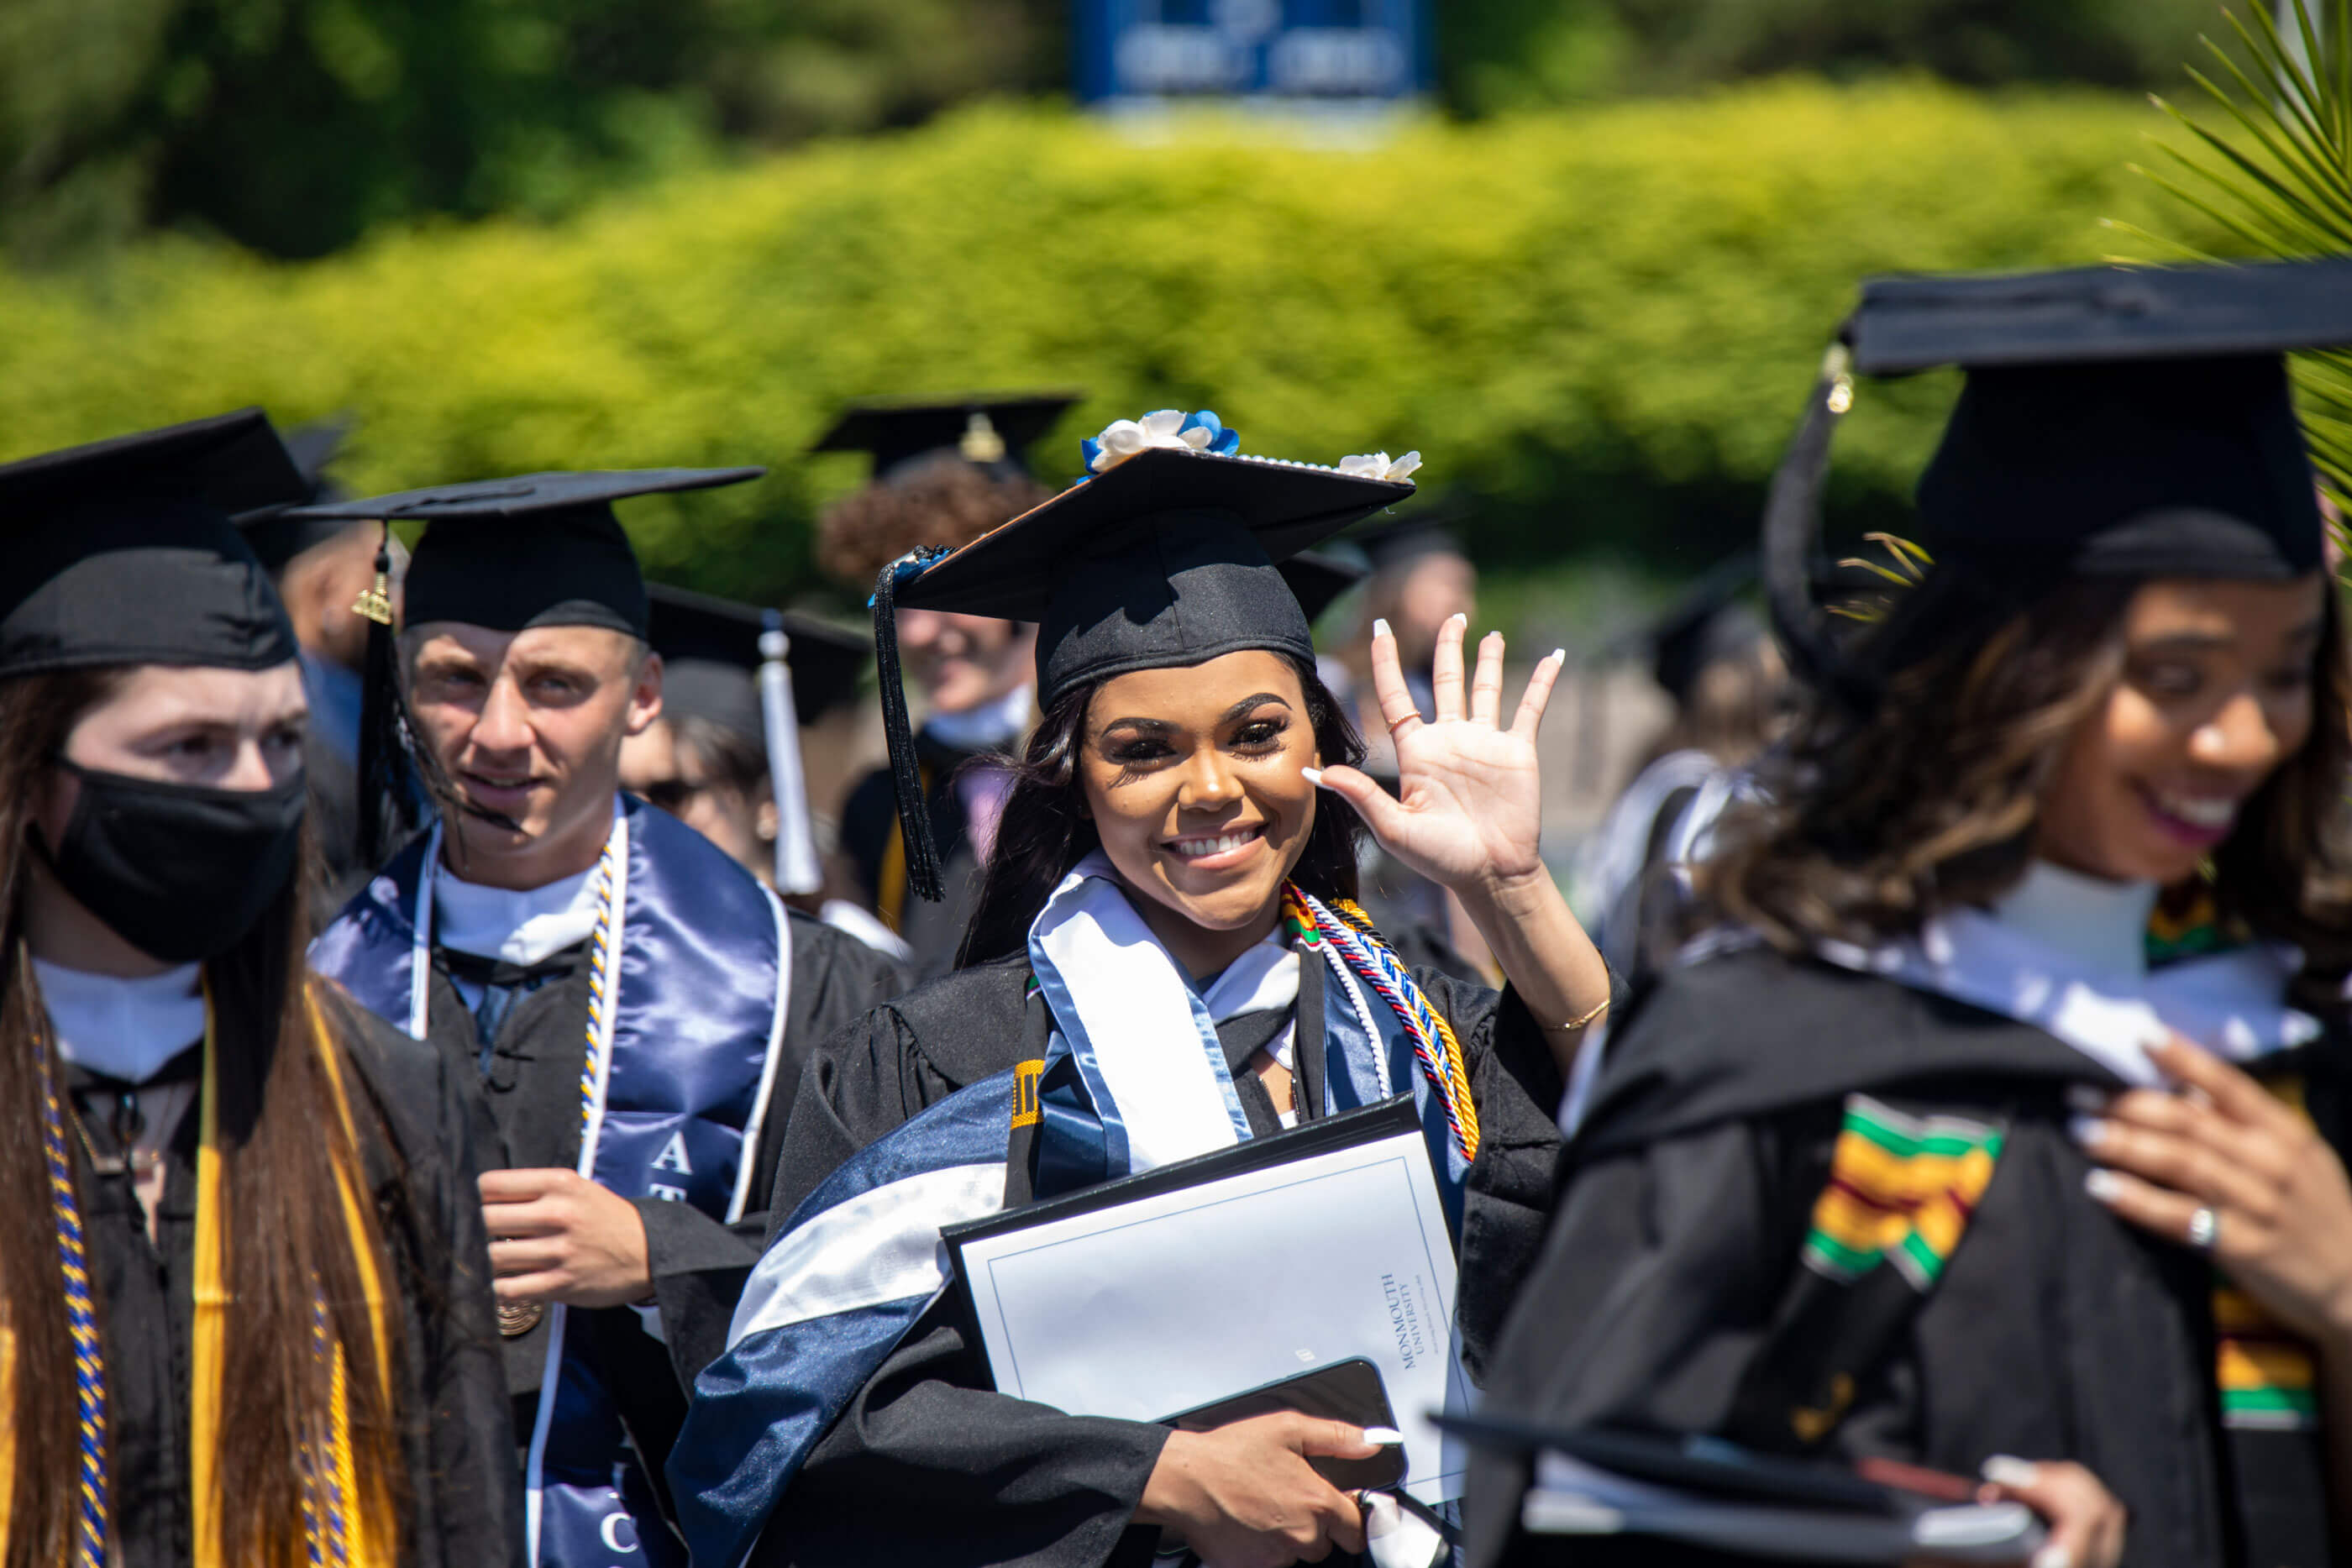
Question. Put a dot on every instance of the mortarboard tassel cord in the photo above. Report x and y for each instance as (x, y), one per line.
(1792, 531)
(392, 762)
(906, 777)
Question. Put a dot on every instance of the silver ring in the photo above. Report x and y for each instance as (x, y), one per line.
(2204, 1230)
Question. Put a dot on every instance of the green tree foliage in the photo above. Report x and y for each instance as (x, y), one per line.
(293, 126)
(1604, 320)
(1508, 54)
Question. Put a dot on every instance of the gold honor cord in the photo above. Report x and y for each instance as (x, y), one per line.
(353, 1519)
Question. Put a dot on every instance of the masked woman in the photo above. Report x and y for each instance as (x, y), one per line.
(1979, 1132)
(1165, 937)
(242, 1271)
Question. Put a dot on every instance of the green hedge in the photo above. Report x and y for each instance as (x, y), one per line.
(1602, 319)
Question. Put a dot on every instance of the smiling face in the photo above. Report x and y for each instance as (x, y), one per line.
(2216, 693)
(1192, 778)
(965, 661)
(528, 725)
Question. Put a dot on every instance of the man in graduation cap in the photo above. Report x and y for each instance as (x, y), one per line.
(945, 472)
(626, 995)
(724, 757)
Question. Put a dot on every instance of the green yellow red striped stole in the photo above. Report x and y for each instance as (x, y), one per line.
(1901, 1189)
(2269, 1377)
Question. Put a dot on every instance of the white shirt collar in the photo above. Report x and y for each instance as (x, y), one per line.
(2100, 925)
(990, 724)
(125, 1029)
(524, 926)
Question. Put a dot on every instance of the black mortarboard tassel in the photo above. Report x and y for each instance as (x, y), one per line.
(2116, 422)
(992, 431)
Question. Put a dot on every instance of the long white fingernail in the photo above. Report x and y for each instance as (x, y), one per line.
(1313, 776)
(2104, 1185)
(1380, 628)
(2089, 1097)
(2052, 1556)
(2088, 1131)
(1386, 1437)
(1461, 616)
(1559, 655)
(2008, 1470)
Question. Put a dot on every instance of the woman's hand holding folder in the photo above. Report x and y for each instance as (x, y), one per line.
(1244, 1496)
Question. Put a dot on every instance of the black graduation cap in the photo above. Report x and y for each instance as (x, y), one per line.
(711, 656)
(2116, 422)
(538, 550)
(1168, 559)
(123, 551)
(1706, 622)
(716, 663)
(1318, 578)
(276, 537)
(990, 430)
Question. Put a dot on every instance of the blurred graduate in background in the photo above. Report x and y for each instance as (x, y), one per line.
(945, 472)
(320, 568)
(1715, 660)
(714, 761)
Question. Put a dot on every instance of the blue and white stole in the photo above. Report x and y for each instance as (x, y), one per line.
(860, 1261)
(691, 976)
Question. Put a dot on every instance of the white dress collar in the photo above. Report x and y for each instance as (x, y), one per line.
(122, 1029)
(2100, 926)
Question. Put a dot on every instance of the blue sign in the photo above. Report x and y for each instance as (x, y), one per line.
(1310, 51)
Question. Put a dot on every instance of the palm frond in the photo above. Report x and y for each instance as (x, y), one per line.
(2273, 170)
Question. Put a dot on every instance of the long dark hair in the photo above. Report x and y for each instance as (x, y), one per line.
(282, 1145)
(1044, 831)
(1869, 824)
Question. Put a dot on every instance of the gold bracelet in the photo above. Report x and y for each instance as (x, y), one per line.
(1574, 1024)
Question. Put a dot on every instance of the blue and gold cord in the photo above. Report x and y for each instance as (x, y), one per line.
(82, 1322)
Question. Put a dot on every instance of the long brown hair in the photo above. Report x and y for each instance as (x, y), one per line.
(1868, 825)
(1043, 829)
(282, 1143)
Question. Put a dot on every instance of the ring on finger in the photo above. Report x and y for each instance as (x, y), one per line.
(1409, 718)
(2204, 1228)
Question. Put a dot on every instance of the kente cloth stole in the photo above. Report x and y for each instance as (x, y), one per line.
(346, 1517)
(1901, 1189)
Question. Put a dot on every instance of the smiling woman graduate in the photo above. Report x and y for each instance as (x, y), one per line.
(1938, 1148)
(1166, 939)
(244, 1305)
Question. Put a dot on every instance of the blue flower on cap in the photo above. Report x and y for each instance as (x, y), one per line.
(1170, 427)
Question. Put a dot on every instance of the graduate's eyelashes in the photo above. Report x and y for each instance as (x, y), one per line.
(1145, 739)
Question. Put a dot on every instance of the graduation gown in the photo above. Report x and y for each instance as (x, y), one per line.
(700, 1052)
(1669, 1293)
(928, 1464)
(464, 1497)
(869, 834)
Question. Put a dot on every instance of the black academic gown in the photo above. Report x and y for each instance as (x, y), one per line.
(928, 1464)
(526, 1116)
(2055, 1331)
(465, 1497)
(869, 835)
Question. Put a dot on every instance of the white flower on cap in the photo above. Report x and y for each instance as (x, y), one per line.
(1123, 438)
(1377, 466)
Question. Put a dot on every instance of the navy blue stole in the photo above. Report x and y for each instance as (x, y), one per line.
(702, 958)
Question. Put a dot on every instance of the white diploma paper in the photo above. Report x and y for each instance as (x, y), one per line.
(1161, 1304)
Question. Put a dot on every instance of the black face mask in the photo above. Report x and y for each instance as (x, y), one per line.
(181, 872)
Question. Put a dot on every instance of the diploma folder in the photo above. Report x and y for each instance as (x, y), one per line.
(1703, 1491)
(1151, 1296)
